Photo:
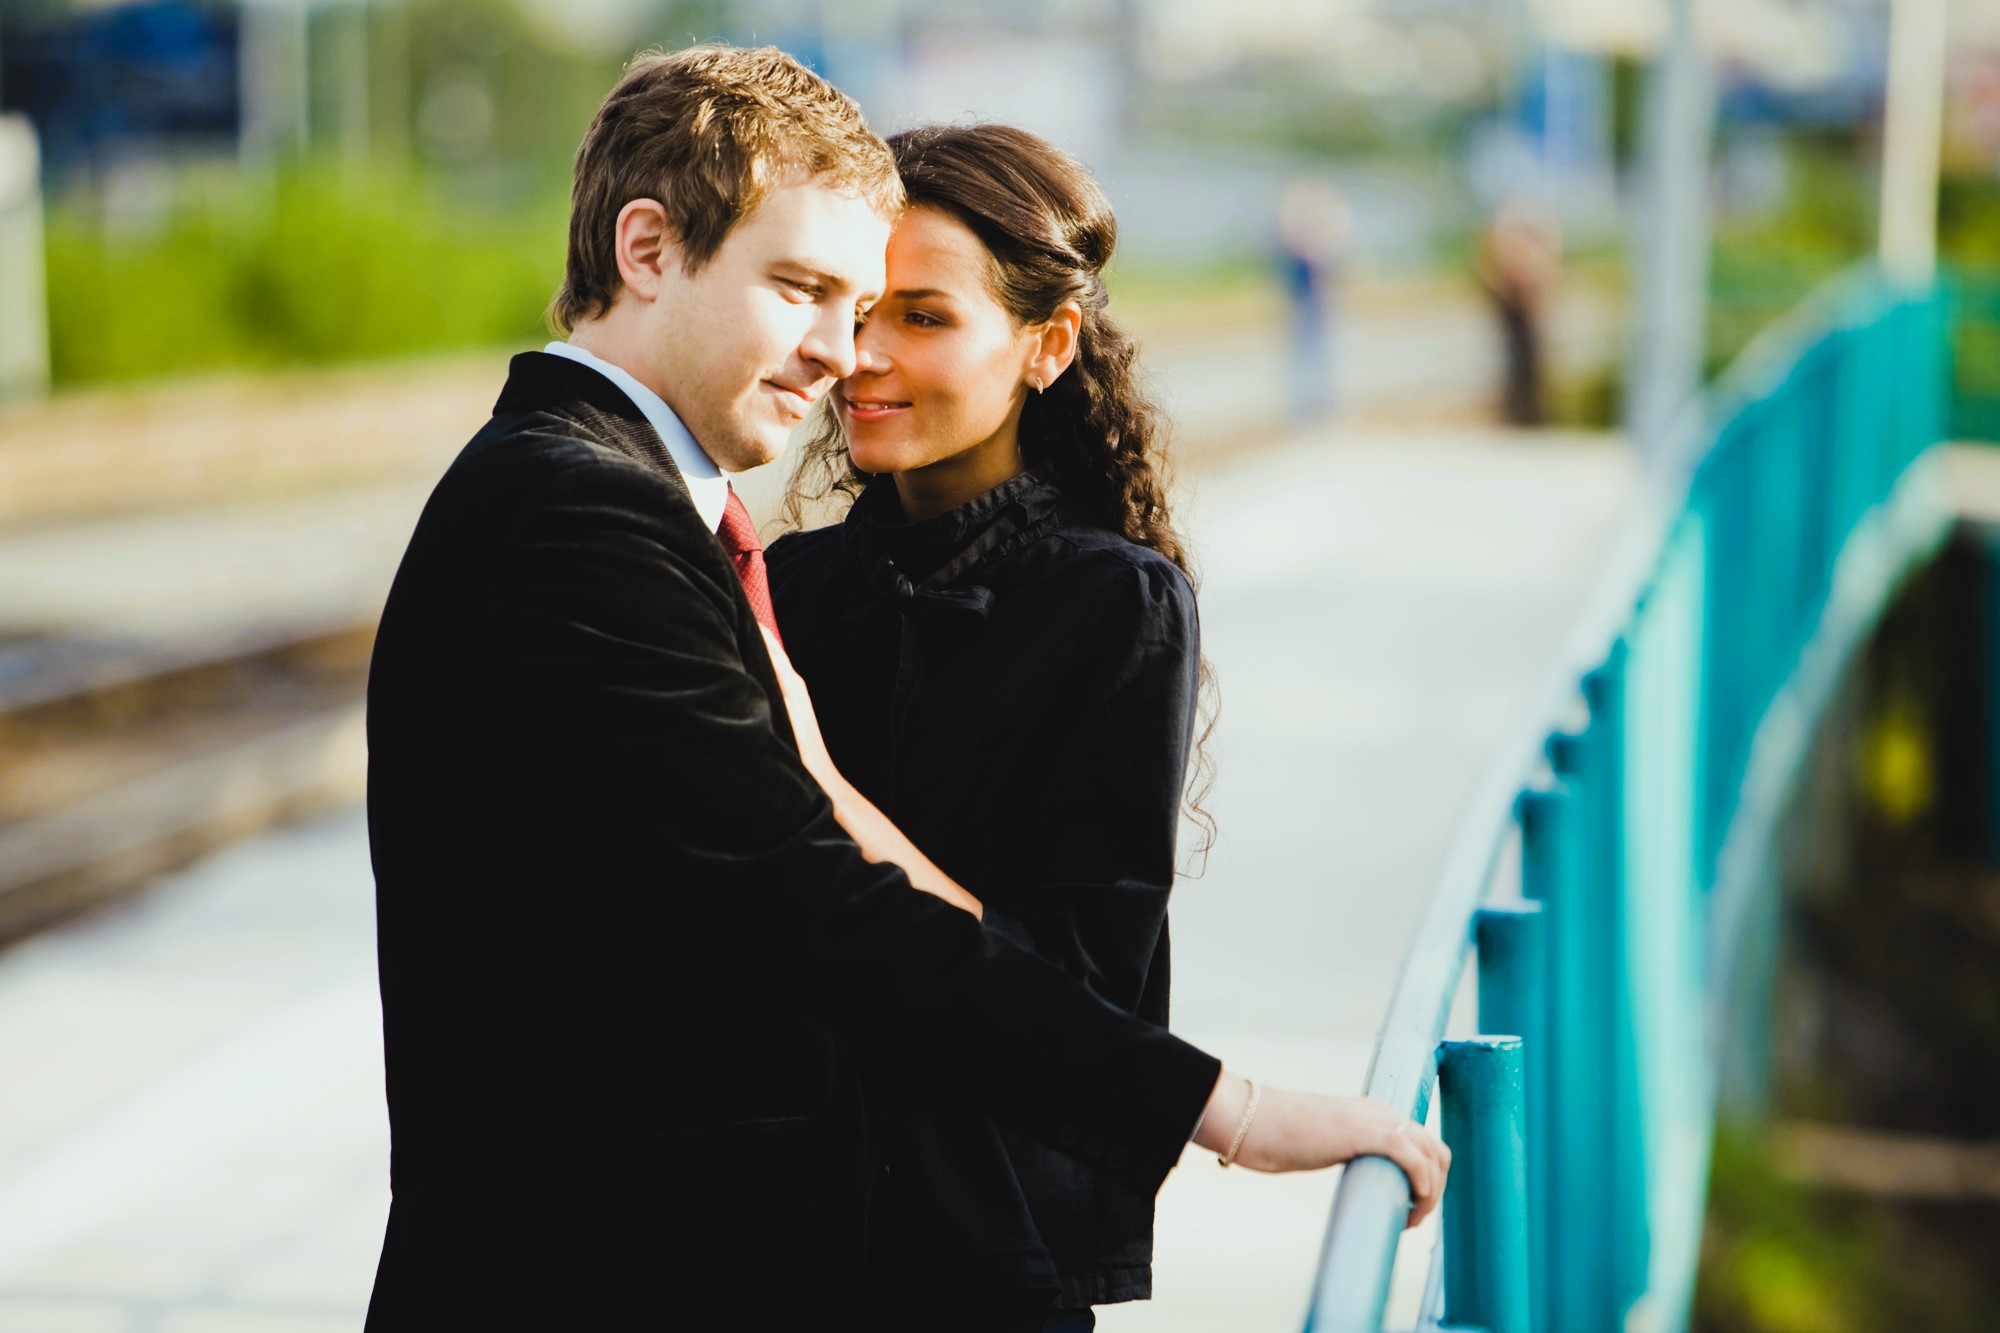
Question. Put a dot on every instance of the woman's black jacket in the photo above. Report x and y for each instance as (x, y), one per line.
(1014, 686)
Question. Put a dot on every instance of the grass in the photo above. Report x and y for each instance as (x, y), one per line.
(316, 267)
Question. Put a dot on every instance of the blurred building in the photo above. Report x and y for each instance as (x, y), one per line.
(100, 81)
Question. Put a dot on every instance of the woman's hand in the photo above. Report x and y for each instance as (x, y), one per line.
(878, 837)
(1307, 1131)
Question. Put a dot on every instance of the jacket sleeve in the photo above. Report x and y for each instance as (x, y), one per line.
(1090, 892)
(630, 628)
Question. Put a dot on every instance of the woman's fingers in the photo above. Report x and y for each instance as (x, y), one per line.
(1416, 1167)
(1418, 1153)
(1427, 1162)
(1440, 1152)
(1409, 1154)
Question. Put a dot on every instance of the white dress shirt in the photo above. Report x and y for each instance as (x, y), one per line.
(705, 481)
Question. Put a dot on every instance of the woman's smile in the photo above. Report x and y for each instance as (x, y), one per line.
(863, 408)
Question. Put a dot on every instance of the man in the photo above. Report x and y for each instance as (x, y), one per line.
(621, 932)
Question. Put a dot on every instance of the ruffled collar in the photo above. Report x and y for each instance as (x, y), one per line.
(1009, 513)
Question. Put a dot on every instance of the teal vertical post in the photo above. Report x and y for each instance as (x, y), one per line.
(1513, 999)
(1624, 1151)
(1583, 1254)
(1571, 1069)
(1486, 1208)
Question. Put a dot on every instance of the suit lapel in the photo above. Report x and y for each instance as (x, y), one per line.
(538, 382)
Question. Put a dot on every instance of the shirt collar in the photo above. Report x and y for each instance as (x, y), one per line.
(706, 484)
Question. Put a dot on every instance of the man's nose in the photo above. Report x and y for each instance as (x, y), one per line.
(830, 342)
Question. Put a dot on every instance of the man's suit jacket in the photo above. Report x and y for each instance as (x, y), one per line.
(621, 935)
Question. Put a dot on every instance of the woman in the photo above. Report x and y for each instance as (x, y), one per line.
(1002, 651)
(1001, 638)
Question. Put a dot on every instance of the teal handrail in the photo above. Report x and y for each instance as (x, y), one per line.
(1790, 500)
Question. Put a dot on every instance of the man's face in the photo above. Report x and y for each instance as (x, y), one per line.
(745, 346)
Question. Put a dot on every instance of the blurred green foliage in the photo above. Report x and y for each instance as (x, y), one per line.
(1782, 1257)
(318, 265)
(427, 215)
(1969, 237)
(1152, 284)
(1764, 264)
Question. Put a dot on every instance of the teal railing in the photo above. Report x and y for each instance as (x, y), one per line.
(1611, 885)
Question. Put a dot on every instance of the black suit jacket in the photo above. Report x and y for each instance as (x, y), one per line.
(621, 936)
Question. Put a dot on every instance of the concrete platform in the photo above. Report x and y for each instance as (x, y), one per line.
(201, 1147)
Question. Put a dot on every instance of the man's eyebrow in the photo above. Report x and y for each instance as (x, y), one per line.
(821, 277)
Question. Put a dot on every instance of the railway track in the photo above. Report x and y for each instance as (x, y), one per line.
(122, 760)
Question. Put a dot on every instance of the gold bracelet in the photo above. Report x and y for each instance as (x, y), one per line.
(1242, 1127)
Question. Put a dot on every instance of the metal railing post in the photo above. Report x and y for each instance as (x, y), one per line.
(1513, 998)
(1486, 1213)
(1624, 1150)
(1552, 874)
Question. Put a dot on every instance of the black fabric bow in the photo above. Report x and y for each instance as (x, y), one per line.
(970, 602)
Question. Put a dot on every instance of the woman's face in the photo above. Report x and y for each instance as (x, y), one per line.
(941, 366)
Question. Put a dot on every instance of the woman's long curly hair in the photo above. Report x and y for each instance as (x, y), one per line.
(1049, 231)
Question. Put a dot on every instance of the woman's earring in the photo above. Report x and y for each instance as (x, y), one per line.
(1037, 382)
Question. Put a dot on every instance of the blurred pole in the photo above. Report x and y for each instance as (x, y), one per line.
(1578, 179)
(24, 310)
(1558, 123)
(300, 82)
(274, 75)
(1672, 234)
(350, 83)
(1912, 128)
(390, 61)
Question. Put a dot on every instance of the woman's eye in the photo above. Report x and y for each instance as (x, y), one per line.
(921, 320)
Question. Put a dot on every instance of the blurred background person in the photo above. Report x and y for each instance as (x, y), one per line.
(1518, 263)
(1315, 229)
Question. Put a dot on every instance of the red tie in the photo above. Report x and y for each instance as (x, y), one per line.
(738, 536)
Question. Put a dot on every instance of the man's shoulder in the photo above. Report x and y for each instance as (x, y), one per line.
(523, 461)
(537, 445)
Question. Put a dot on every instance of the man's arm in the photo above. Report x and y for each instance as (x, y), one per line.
(626, 626)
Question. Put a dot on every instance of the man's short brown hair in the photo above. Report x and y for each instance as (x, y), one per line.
(708, 132)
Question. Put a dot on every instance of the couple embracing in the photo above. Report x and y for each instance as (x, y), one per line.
(778, 940)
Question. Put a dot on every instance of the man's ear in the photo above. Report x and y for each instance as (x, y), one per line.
(644, 246)
(1058, 343)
